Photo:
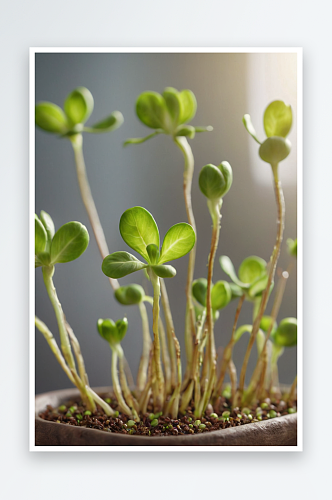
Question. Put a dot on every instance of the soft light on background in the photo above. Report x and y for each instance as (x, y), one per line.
(226, 87)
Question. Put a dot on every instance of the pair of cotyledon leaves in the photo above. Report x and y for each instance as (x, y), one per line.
(277, 120)
(140, 231)
(65, 245)
(221, 293)
(284, 335)
(215, 181)
(112, 332)
(252, 276)
(167, 113)
(78, 107)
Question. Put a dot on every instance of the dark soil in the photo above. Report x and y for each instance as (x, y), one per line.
(74, 413)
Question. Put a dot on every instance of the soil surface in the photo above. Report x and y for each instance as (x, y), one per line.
(221, 417)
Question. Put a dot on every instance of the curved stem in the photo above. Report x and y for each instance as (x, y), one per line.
(131, 401)
(77, 143)
(272, 267)
(144, 362)
(170, 331)
(116, 384)
(184, 146)
(158, 395)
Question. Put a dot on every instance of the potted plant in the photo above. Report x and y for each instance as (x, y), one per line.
(164, 406)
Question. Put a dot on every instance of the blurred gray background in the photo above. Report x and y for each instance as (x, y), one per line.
(226, 86)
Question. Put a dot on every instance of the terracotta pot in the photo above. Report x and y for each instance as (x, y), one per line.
(281, 431)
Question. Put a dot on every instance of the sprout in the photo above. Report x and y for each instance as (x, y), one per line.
(286, 333)
(292, 247)
(215, 182)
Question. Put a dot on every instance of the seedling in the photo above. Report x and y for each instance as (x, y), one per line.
(159, 379)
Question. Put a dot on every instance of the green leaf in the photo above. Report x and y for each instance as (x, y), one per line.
(250, 128)
(258, 286)
(265, 324)
(139, 229)
(151, 109)
(251, 269)
(107, 329)
(275, 149)
(185, 131)
(215, 182)
(278, 119)
(237, 292)
(199, 290)
(188, 105)
(140, 140)
(40, 236)
(286, 334)
(292, 247)
(164, 271)
(48, 224)
(69, 242)
(173, 105)
(221, 295)
(50, 118)
(122, 327)
(153, 253)
(119, 264)
(178, 241)
(112, 122)
(129, 295)
(228, 268)
(79, 105)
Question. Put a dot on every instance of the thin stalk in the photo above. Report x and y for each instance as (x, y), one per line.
(233, 377)
(169, 330)
(145, 395)
(116, 384)
(81, 366)
(276, 353)
(131, 401)
(144, 362)
(159, 387)
(228, 351)
(292, 393)
(165, 358)
(173, 405)
(184, 146)
(106, 407)
(77, 143)
(55, 349)
(64, 338)
(272, 267)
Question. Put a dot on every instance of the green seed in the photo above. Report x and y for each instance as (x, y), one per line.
(68, 414)
(108, 400)
(259, 417)
(249, 416)
(130, 423)
(116, 414)
(272, 414)
(154, 422)
(170, 427)
(291, 410)
(157, 415)
(151, 416)
(62, 408)
(191, 426)
(239, 415)
(189, 419)
(132, 431)
(214, 415)
(73, 408)
(258, 410)
(87, 412)
(246, 411)
(226, 414)
(79, 416)
(197, 422)
(202, 426)
(264, 406)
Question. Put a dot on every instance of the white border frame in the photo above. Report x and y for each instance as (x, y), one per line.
(36, 50)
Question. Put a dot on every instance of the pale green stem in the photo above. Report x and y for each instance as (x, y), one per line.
(165, 358)
(131, 401)
(292, 393)
(144, 362)
(159, 386)
(173, 405)
(64, 338)
(77, 143)
(184, 146)
(107, 409)
(145, 395)
(233, 376)
(169, 330)
(116, 384)
(272, 268)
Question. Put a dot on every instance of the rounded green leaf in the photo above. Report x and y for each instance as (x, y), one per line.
(122, 327)
(286, 334)
(69, 242)
(112, 122)
(292, 247)
(251, 269)
(199, 290)
(188, 105)
(40, 236)
(50, 118)
(278, 119)
(120, 264)
(153, 253)
(107, 329)
(265, 324)
(129, 295)
(215, 182)
(139, 229)
(178, 241)
(249, 127)
(221, 295)
(48, 224)
(228, 268)
(275, 149)
(173, 105)
(237, 292)
(258, 286)
(164, 271)
(79, 105)
(151, 109)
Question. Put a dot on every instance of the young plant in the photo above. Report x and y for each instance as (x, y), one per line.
(169, 113)
(113, 333)
(70, 123)
(51, 248)
(140, 231)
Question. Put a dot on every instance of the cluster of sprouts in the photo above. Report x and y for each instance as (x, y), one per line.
(160, 381)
